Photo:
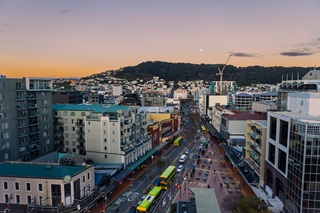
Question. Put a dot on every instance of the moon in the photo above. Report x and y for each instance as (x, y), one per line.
(201, 50)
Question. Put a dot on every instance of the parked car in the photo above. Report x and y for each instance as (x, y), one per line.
(180, 168)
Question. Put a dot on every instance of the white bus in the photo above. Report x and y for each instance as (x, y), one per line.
(183, 158)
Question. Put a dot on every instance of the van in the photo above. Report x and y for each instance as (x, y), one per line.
(183, 158)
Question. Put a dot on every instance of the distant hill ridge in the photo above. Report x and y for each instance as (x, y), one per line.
(185, 72)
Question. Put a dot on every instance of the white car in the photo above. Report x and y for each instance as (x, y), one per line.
(180, 168)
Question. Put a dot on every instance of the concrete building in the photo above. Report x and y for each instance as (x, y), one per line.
(35, 187)
(309, 83)
(263, 106)
(212, 101)
(222, 88)
(118, 135)
(153, 99)
(26, 118)
(69, 125)
(180, 94)
(233, 126)
(67, 97)
(256, 146)
(292, 154)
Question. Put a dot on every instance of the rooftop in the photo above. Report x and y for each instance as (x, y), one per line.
(245, 115)
(89, 107)
(39, 170)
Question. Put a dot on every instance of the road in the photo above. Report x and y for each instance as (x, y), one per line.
(131, 196)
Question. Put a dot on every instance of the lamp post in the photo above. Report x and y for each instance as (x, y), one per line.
(152, 158)
(185, 183)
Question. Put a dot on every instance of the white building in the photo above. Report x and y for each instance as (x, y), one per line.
(120, 135)
(180, 94)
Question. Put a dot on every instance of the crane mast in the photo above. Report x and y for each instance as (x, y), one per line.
(221, 73)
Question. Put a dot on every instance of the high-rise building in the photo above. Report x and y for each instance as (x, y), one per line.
(293, 153)
(26, 118)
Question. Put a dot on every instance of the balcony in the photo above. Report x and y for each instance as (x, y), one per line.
(32, 106)
(81, 140)
(80, 132)
(32, 97)
(23, 135)
(34, 114)
(80, 124)
(58, 123)
(21, 97)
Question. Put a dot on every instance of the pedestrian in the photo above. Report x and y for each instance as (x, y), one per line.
(208, 186)
(214, 153)
(220, 185)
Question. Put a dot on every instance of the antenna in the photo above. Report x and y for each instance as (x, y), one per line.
(221, 73)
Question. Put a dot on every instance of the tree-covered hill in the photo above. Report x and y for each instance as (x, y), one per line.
(186, 71)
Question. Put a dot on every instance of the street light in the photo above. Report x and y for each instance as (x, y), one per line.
(152, 158)
(185, 183)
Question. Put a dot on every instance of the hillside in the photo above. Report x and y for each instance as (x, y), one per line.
(186, 71)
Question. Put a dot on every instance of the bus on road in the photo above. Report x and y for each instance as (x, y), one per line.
(150, 202)
(177, 141)
(203, 129)
(167, 177)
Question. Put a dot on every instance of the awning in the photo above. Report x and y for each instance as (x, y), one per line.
(235, 160)
(122, 175)
(97, 178)
(142, 159)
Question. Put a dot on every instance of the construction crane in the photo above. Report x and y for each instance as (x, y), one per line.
(221, 73)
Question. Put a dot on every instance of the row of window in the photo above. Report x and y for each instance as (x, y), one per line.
(8, 198)
(17, 186)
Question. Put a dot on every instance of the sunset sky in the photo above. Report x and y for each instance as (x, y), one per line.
(63, 38)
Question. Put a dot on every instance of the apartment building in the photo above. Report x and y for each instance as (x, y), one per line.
(67, 97)
(256, 147)
(69, 125)
(26, 118)
(152, 99)
(118, 135)
(292, 166)
(222, 88)
(34, 187)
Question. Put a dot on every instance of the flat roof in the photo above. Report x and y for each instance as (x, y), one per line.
(89, 107)
(245, 115)
(206, 200)
(39, 170)
(301, 117)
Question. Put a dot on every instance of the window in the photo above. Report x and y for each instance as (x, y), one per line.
(83, 179)
(16, 186)
(83, 113)
(41, 200)
(6, 198)
(66, 136)
(105, 140)
(105, 148)
(283, 136)
(72, 113)
(4, 126)
(40, 189)
(5, 185)
(113, 132)
(73, 128)
(88, 176)
(72, 121)
(272, 153)
(17, 199)
(67, 143)
(105, 156)
(65, 113)
(66, 128)
(28, 186)
(273, 128)
(29, 199)
(74, 150)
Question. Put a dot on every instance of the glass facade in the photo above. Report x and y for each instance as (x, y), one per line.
(303, 189)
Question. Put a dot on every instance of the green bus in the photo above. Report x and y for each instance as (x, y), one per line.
(203, 129)
(177, 141)
(150, 202)
(167, 177)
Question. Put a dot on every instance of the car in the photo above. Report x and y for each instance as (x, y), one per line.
(180, 168)
(141, 199)
(187, 151)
